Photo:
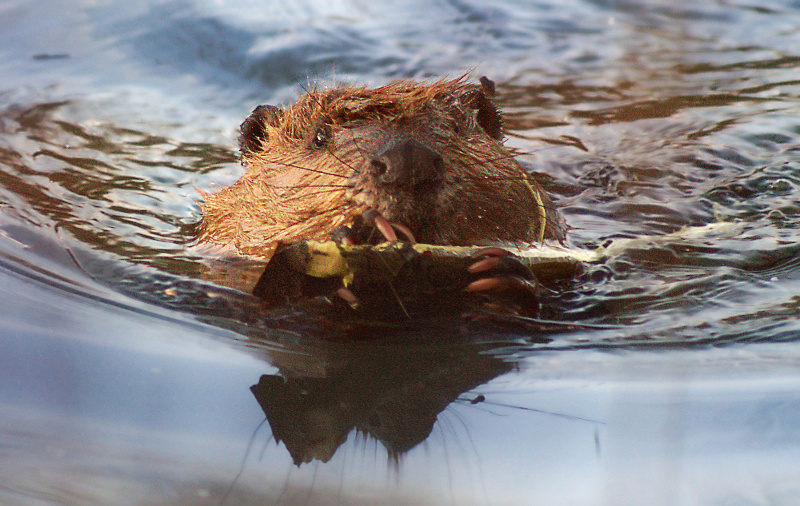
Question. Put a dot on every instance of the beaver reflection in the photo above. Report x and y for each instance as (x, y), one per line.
(391, 393)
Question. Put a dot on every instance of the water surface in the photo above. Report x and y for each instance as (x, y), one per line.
(133, 375)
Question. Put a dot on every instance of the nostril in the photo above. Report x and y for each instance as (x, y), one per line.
(438, 167)
(407, 163)
(377, 167)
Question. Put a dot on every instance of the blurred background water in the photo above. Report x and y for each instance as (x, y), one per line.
(129, 377)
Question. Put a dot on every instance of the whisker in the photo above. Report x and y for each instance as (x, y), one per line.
(307, 169)
(306, 195)
(358, 148)
(506, 156)
(287, 187)
(343, 162)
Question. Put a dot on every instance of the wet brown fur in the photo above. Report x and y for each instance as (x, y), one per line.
(308, 171)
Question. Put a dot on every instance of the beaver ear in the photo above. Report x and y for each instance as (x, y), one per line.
(254, 128)
(486, 113)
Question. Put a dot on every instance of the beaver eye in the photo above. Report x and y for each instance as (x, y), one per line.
(321, 138)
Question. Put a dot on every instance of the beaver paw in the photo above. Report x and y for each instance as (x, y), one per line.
(508, 283)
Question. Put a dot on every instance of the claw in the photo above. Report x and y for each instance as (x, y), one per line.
(506, 265)
(348, 296)
(484, 265)
(484, 285)
(376, 219)
(492, 251)
(504, 284)
(406, 232)
(343, 235)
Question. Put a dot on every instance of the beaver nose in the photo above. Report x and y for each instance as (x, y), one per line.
(408, 163)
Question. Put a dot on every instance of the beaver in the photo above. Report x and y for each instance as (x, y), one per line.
(423, 159)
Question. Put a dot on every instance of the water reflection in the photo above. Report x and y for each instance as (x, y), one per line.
(392, 394)
(117, 190)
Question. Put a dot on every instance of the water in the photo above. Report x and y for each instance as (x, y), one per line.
(133, 374)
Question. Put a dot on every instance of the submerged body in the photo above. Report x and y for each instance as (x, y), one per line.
(427, 158)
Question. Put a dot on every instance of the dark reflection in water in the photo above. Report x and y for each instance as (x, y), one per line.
(393, 394)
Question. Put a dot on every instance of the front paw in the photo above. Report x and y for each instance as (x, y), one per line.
(507, 284)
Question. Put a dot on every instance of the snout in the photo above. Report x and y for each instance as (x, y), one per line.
(409, 164)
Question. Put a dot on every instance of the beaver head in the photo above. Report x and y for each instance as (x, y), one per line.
(428, 157)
